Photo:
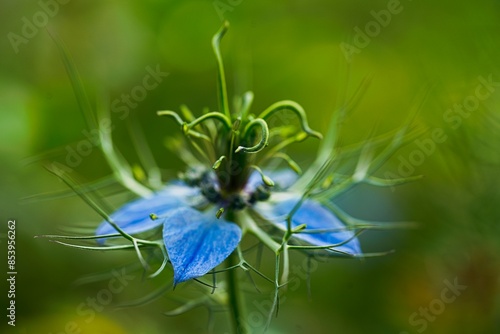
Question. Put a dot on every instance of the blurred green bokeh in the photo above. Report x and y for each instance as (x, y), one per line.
(280, 50)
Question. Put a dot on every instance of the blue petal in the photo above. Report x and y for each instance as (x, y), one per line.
(315, 217)
(197, 242)
(283, 179)
(134, 217)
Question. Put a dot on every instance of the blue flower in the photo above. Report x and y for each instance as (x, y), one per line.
(232, 187)
(197, 241)
(225, 194)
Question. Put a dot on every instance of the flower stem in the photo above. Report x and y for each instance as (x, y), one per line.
(236, 302)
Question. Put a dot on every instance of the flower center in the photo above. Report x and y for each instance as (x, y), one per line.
(232, 143)
(208, 183)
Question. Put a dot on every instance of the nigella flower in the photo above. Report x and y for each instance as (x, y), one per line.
(230, 189)
(199, 219)
(224, 194)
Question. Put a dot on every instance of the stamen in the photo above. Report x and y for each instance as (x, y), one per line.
(291, 163)
(219, 213)
(266, 179)
(217, 164)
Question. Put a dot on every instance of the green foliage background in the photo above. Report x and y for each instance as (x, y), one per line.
(280, 50)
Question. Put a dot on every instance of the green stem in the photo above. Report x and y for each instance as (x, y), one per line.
(236, 302)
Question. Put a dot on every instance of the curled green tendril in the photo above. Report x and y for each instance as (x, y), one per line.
(221, 78)
(172, 114)
(264, 140)
(226, 121)
(297, 109)
(186, 127)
